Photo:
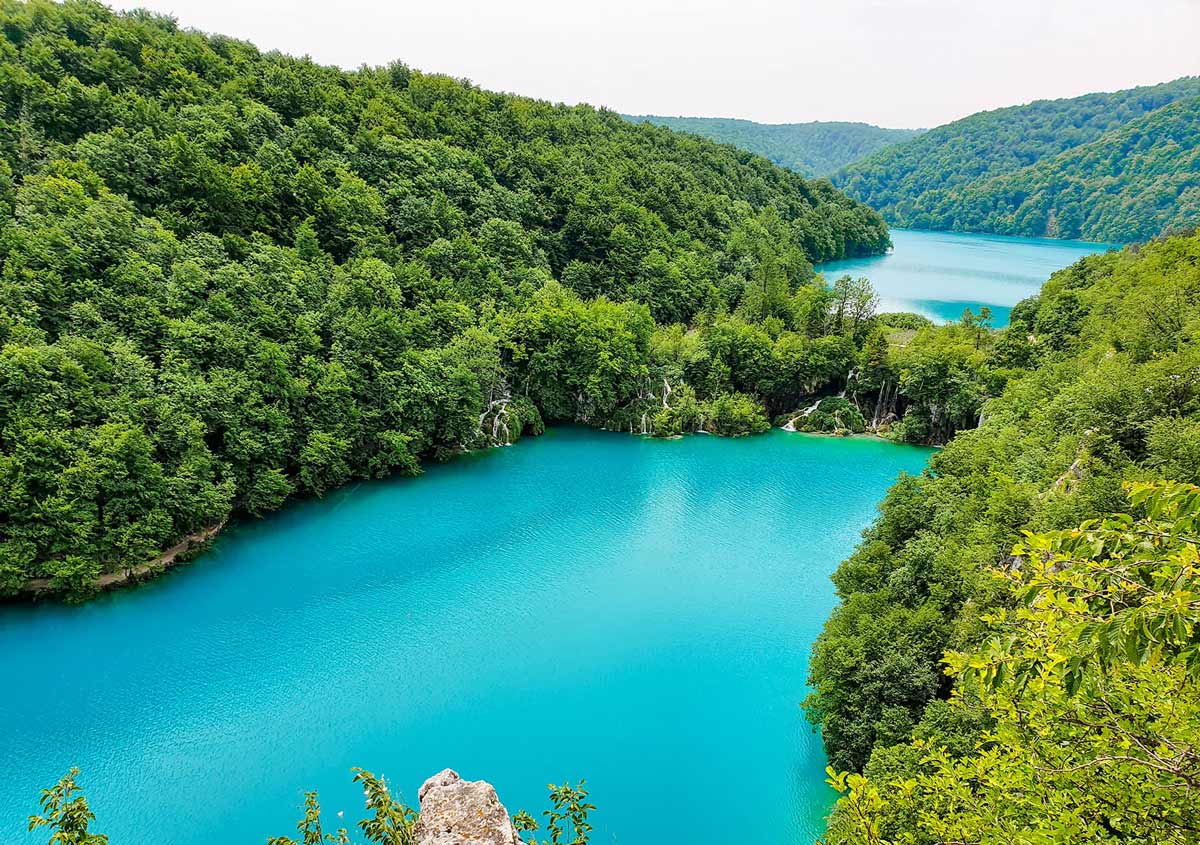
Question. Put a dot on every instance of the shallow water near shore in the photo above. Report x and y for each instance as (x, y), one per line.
(938, 274)
(582, 605)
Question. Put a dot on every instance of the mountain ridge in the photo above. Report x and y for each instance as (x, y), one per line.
(812, 148)
(939, 180)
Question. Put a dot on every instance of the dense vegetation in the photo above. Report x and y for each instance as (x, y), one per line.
(66, 814)
(814, 149)
(1106, 167)
(1089, 691)
(1131, 183)
(1071, 710)
(231, 276)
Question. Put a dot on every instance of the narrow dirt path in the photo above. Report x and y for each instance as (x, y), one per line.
(134, 573)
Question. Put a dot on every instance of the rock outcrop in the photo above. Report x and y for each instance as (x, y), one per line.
(461, 812)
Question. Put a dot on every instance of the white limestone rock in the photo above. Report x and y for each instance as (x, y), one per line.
(461, 812)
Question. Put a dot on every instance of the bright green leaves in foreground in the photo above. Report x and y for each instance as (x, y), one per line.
(566, 820)
(1092, 681)
(389, 821)
(309, 827)
(66, 814)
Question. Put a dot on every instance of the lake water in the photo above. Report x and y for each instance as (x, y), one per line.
(938, 274)
(582, 605)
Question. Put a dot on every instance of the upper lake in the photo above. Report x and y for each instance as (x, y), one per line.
(631, 611)
(938, 274)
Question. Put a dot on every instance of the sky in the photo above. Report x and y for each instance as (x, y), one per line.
(903, 63)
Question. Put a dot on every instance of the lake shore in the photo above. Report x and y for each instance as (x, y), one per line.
(40, 587)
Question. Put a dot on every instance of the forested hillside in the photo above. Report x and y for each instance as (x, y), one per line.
(231, 276)
(814, 149)
(1131, 183)
(1072, 710)
(1108, 167)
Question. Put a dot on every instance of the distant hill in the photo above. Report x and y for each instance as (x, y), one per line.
(1132, 183)
(1117, 167)
(813, 149)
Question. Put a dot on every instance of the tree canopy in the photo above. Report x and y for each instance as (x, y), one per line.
(1115, 167)
(1100, 402)
(229, 276)
(1089, 686)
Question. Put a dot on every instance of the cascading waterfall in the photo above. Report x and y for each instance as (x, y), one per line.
(884, 405)
(850, 376)
(646, 394)
(498, 410)
(790, 425)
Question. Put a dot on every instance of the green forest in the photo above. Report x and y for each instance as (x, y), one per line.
(814, 149)
(1015, 651)
(1131, 183)
(231, 276)
(1105, 167)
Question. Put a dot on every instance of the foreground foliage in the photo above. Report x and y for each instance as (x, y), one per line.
(1090, 683)
(389, 821)
(566, 820)
(66, 814)
(1100, 385)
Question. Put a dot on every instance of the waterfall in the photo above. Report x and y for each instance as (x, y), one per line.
(498, 409)
(790, 425)
(850, 376)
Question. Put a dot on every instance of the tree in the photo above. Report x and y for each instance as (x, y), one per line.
(1091, 678)
(853, 305)
(67, 817)
(310, 827)
(566, 820)
(389, 822)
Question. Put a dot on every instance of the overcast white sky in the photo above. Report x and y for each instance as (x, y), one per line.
(892, 62)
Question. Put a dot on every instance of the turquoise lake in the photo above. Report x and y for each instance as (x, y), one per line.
(589, 605)
(938, 274)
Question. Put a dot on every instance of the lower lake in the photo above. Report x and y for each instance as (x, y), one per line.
(634, 612)
(938, 274)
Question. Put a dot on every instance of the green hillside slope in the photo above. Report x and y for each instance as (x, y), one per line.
(230, 276)
(1131, 183)
(1101, 394)
(934, 180)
